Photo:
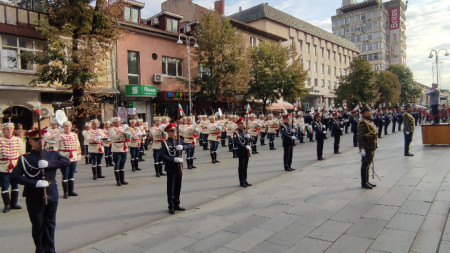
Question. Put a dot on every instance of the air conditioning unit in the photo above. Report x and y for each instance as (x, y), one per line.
(187, 29)
(45, 112)
(154, 21)
(158, 78)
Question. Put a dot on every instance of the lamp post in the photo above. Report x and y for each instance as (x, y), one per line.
(188, 47)
(436, 55)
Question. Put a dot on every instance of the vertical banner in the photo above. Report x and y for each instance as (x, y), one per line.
(394, 35)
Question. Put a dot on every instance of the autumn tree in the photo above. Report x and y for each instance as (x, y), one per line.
(409, 91)
(223, 59)
(276, 72)
(389, 87)
(358, 85)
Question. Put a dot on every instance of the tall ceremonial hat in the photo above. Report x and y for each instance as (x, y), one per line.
(95, 121)
(34, 134)
(115, 119)
(270, 115)
(170, 127)
(8, 124)
(365, 109)
(88, 124)
(107, 122)
(240, 120)
(54, 122)
(261, 115)
(317, 115)
(212, 117)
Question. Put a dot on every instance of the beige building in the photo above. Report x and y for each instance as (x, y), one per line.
(377, 29)
(324, 55)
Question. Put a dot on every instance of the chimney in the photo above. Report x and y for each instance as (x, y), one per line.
(219, 6)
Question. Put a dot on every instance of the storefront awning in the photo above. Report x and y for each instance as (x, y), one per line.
(280, 106)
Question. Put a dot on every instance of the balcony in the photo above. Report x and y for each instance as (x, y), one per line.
(26, 16)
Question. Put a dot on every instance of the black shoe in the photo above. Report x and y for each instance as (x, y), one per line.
(380, 137)
(243, 185)
(366, 186)
(291, 168)
(65, 196)
(118, 183)
(171, 211)
(337, 153)
(373, 185)
(179, 208)
(409, 154)
(287, 169)
(321, 159)
(248, 184)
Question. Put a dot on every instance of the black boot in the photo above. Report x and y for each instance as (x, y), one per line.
(71, 187)
(365, 179)
(215, 157)
(205, 146)
(192, 163)
(65, 189)
(256, 149)
(262, 142)
(86, 159)
(122, 177)
(161, 170)
(212, 157)
(157, 169)
(133, 166)
(116, 174)
(253, 150)
(234, 153)
(14, 198)
(188, 161)
(230, 148)
(94, 173)
(6, 201)
(223, 143)
(107, 161)
(136, 164)
(140, 157)
(99, 171)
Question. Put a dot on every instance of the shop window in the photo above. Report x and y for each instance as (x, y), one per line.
(133, 67)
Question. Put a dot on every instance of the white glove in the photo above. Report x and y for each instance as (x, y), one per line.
(42, 164)
(406, 132)
(324, 132)
(248, 147)
(247, 136)
(178, 159)
(108, 139)
(42, 183)
(179, 147)
(294, 130)
(363, 152)
(98, 137)
(293, 138)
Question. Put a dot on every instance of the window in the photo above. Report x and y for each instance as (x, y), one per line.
(252, 41)
(335, 85)
(308, 81)
(345, 59)
(321, 51)
(315, 67)
(300, 45)
(12, 47)
(172, 66)
(334, 70)
(329, 85)
(172, 25)
(334, 56)
(308, 65)
(315, 50)
(131, 14)
(323, 83)
(328, 54)
(308, 47)
(316, 82)
(322, 68)
(292, 42)
(329, 70)
(133, 67)
(340, 58)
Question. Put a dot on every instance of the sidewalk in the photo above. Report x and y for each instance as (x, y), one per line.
(318, 208)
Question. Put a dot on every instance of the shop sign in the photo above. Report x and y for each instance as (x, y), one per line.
(140, 91)
(178, 95)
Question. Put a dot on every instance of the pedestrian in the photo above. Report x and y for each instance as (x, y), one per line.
(408, 129)
(173, 167)
(241, 141)
(11, 148)
(95, 136)
(336, 129)
(68, 145)
(367, 140)
(36, 174)
(288, 135)
(119, 149)
(321, 134)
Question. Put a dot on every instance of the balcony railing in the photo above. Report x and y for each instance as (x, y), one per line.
(25, 16)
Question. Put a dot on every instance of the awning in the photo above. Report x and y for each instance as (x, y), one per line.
(280, 106)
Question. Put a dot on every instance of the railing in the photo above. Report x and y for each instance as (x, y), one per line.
(15, 15)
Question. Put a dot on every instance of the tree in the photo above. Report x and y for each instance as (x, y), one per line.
(80, 36)
(358, 86)
(225, 69)
(409, 91)
(389, 87)
(276, 72)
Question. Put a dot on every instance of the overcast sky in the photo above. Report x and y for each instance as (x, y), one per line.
(427, 27)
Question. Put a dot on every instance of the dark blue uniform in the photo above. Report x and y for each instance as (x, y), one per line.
(288, 145)
(354, 129)
(337, 126)
(174, 177)
(321, 132)
(42, 217)
(240, 144)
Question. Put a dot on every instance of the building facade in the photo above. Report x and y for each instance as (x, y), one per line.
(377, 28)
(325, 56)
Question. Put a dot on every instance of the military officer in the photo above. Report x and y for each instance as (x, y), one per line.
(213, 130)
(272, 127)
(387, 120)
(68, 145)
(241, 142)
(309, 121)
(119, 149)
(107, 144)
(190, 134)
(288, 136)
(11, 148)
(85, 132)
(173, 168)
(399, 119)
(336, 128)
(408, 129)
(94, 137)
(367, 141)
(158, 135)
(394, 119)
(321, 134)
(36, 174)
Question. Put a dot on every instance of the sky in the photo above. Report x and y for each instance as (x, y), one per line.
(427, 27)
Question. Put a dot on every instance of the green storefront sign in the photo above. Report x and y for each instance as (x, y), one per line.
(140, 91)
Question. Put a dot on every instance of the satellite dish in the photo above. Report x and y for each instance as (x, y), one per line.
(60, 117)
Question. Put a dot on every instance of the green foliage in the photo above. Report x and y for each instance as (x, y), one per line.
(388, 87)
(409, 91)
(224, 60)
(276, 72)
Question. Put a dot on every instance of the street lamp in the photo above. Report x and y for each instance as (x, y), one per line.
(436, 55)
(188, 47)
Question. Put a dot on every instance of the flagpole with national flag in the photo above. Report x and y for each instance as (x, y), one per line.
(180, 110)
(41, 149)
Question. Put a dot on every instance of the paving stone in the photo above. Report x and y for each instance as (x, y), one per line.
(446, 234)
(267, 247)
(444, 247)
(428, 196)
(209, 225)
(291, 234)
(426, 241)
(443, 196)
(350, 244)
(247, 224)
(415, 207)
(279, 222)
(211, 243)
(330, 230)
(273, 211)
(440, 207)
(309, 245)
(349, 214)
(367, 228)
(225, 250)
(381, 212)
(316, 218)
(249, 240)
(172, 245)
(407, 222)
(396, 196)
(395, 241)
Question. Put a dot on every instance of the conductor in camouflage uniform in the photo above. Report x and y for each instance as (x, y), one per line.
(367, 139)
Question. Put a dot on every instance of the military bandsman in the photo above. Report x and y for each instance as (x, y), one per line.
(85, 133)
(337, 127)
(134, 134)
(272, 128)
(190, 134)
(321, 134)
(119, 149)
(213, 130)
(157, 135)
(51, 135)
(231, 128)
(241, 141)
(107, 144)
(354, 119)
(95, 137)
(223, 135)
(141, 130)
(253, 129)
